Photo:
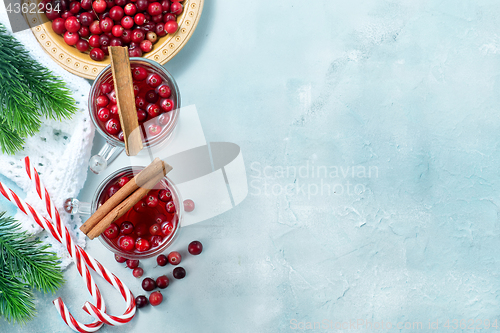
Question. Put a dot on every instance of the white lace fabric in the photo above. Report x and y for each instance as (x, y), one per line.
(60, 152)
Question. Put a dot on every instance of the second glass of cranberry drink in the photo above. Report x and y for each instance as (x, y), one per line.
(148, 228)
(157, 100)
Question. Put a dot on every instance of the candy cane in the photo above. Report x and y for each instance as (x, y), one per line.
(81, 259)
(99, 311)
(47, 225)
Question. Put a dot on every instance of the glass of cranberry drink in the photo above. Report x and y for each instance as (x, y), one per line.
(149, 227)
(157, 100)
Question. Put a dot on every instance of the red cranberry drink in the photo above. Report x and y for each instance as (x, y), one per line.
(149, 227)
(156, 96)
(157, 101)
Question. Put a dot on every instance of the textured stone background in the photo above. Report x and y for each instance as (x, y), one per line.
(406, 89)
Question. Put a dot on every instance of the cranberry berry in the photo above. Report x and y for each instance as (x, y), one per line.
(140, 207)
(127, 22)
(72, 24)
(141, 115)
(103, 114)
(167, 228)
(176, 8)
(170, 207)
(165, 195)
(132, 263)
(162, 282)
(99, 6)
(126, 243)
(71, 38)
(97, 54)
(171, 27)
(141, 301)
(155, 229)
(174, 258)
(154, 129)
(123, 180)
(160, 218)
(167, 105)
(195, 248)
(112, 190)
(113, 126)
(154, 80)
(164, 91)
(179, 273)
(112, 231)
(58, 25)
(142, 245)
(148, 284)
(126, 228)
(138, 272)
(164, 119)
(162, 260)
(120, 259)
(156, 240)
(139, 73)
(188, 205)
(155, 298)
(153, 110)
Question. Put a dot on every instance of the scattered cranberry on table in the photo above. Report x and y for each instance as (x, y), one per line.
(141, 301)
(174, 258)
(162, 260)
(179, 273)
(188, 205)
(138, 272)
(155, 298)
(162, 282)
(148, 284)
(195, 248)
(103, 23)
(120, 259)
(132, 263)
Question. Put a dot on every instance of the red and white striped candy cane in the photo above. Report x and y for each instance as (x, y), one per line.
(47, 225)
(97, 311)
(81, 259)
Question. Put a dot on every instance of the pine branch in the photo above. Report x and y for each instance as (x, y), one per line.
(28, 90)
(16, 300)
(10, 140)
(24, 257)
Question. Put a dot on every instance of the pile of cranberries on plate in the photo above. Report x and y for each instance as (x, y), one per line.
(147, 228)
(93, 25)
(156, 96)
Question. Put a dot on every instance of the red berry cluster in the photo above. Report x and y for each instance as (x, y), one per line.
(148, 225)
(96, 25)
(152, 99)
(162, 282)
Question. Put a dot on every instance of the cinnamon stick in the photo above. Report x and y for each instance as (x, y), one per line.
(125, 99)
(140, 180)
(124, 206)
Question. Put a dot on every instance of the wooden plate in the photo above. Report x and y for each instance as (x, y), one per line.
(80, 63)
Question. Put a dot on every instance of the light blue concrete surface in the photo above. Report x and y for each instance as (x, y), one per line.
(370, 135)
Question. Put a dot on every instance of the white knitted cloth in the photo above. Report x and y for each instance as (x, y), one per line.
(60, 151)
